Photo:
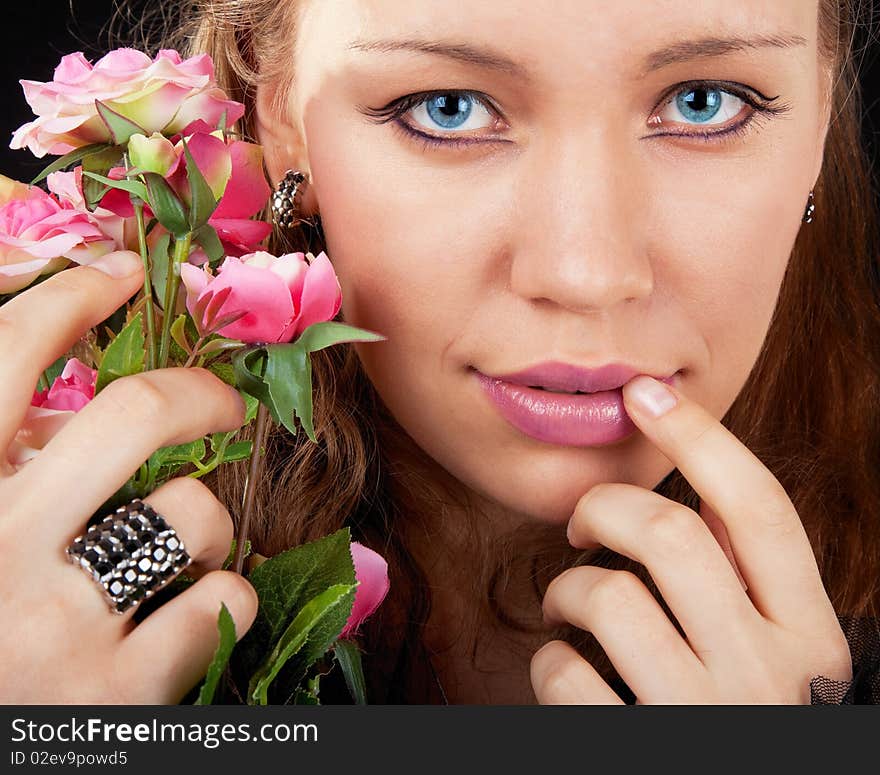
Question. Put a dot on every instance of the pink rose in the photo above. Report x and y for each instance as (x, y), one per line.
(67, 187)
(233, 169)
(41, 234)
(278, 298)
(71, 390)
(51, 409)
(371, 570)
(246, 195)
(164, 95)
(11, 189)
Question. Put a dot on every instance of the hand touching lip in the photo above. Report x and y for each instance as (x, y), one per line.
(740, 578)
(590, 419)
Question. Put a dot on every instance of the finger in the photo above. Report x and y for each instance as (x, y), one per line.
(42, 323)
(560, 676)
(170, 650)
(691, 571)
(202, 524)
(110, 437)
(771, 546)
(716, 526)
(642, 643)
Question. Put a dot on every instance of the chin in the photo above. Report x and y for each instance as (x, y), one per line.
(544, 486)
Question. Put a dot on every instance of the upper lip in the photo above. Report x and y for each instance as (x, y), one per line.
(557, 375)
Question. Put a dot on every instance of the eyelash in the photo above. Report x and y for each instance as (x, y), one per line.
(763, 108)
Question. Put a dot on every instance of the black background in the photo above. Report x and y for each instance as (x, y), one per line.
(36, 34)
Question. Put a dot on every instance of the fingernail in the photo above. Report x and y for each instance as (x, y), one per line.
(119, 264)
(651, 396)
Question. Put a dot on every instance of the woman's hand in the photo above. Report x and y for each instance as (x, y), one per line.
(754, 635)
(60, 642)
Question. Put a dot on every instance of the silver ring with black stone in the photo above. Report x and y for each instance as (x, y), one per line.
(131, 554)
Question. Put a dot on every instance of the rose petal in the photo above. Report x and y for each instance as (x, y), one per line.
(39, 428)
(248, 191)
(371, 571)
(321, 294)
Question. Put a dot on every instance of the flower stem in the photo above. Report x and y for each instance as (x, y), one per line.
(195, 352)
(148, 287)
(44, 381)
(250, 488)
(172, 283)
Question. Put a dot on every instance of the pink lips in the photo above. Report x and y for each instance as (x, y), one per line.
(570, 420)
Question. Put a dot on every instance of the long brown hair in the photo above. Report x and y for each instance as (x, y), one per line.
(810, 409)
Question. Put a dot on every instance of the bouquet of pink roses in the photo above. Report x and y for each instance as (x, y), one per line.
(149, 160)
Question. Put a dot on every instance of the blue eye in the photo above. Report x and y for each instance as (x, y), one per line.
(450, 110)
(700, 104)
(695, 103)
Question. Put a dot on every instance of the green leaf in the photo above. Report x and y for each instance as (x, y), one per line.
(301, 697)
(226, 628)
(207, 237)
(227, 563)
(121, 128)
(54, 371)
(191, 452)
(201, 196)
(286, 385)
(248, 365)
(320, 335)
(219, 345)
(289, 378)
(240, 450)
(133, 187)
(124, 355)
(178, 333)
(252, 405)
(348, 655)
(191, 330)
(284, 583)
(72, 158)
(160, 259)
(98, 163)
(295, 637)
(166, 205)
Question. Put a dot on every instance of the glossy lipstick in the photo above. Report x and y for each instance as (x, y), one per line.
(595, 418)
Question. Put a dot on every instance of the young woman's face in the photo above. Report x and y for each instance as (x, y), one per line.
(605, 196)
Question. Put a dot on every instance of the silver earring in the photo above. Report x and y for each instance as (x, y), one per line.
(286, 199)
(811, 208)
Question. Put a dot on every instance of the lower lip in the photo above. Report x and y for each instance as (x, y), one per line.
(586, 420)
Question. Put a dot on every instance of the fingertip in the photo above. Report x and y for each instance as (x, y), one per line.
(242, 603)
(118, 264)
(242, 406)
(650, 396)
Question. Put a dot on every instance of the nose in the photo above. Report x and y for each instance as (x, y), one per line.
(578, 241)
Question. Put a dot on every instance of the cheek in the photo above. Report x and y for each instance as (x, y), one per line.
(724, 266)
(410, 267)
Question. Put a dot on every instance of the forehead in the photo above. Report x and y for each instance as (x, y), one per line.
(586, 34)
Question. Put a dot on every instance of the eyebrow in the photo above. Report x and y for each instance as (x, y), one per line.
(680, 51)
(686, 50)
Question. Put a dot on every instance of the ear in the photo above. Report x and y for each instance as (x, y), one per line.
(282, 140)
